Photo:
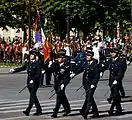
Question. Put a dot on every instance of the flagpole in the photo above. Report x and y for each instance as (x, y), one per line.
(67, 21)
(29, 13)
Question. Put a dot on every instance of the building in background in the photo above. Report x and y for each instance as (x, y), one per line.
(11, 33)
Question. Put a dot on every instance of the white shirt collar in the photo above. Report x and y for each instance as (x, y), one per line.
(61, 64)
(32, 60)
(115, 58)
(90, 62)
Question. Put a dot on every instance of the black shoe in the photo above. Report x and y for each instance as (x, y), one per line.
(95, 115)
(37, 114)
(123, 96)
(54, 110)
(81, 112)
(109, 100)
(84, 116)
(25, 113)
(66, 113)
(54, 115)
(63, 111)
(119, 113)
(110, 113)
(49, 85)
(42, 86)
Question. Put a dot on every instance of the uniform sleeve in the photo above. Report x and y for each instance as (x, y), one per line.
(38, 71)
(54, 67)
(67, 78)
(83, 78)
(24, 67)
(96, 75)
(122, 69)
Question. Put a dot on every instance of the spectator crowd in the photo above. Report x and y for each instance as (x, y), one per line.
(16, 51)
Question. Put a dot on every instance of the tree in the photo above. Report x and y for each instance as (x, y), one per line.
(14, 13)
(84, 14)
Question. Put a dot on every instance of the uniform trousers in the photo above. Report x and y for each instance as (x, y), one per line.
(33, 99)
(48, 75)
(89, 102)
(61, 99)
(116, 99)
(121, 88)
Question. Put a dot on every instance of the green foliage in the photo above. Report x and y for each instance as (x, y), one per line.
(14, 13)
(84, 14)
(10, 64)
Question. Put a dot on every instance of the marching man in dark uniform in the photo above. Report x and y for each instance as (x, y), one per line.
(61, 72)
(117, 68)
(124, 63)
(34, 71)
(91, 77)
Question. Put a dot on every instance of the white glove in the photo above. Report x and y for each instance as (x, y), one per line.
(73, 62)
(11, 70)
(37, 58)
(62, 86)
(115, 82)
(43, 71)
(92, 86)
(102, 65)
(27, 52)
(107, 60)
(128, 62)
(31, 81)
(62, 70)
(72, 75)
(50, 63)
(101, 74)
(25, 60)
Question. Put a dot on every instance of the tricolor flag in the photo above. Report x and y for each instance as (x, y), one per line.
(37, 35)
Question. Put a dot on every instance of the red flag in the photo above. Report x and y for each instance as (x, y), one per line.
(36, 23)
(46, 49)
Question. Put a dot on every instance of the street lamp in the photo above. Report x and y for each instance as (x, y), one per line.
(29, 27)
(67, 21)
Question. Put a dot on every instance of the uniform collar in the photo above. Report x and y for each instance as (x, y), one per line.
(115, 58)
(90, 62)
(33, 61)
(61, 64)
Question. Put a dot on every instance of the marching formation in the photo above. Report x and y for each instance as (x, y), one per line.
(64, 68)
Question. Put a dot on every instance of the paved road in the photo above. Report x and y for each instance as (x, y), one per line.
(12, 105)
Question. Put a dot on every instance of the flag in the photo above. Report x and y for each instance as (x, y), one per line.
(37, 37)
(42, 30)
(46, 49)
(43, 35)
(36, 23)
(38, 26)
